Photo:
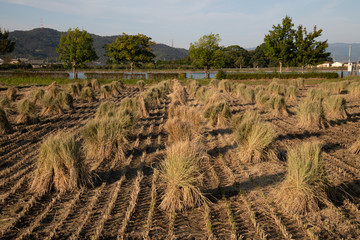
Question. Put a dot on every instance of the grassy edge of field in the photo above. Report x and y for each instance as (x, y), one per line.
(29, 81)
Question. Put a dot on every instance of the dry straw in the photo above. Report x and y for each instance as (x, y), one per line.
(311, 114)
(87, 94)
(304, 188)
(180, 176)
(218, 114)
(141, 85)
(5, 126)
(335, 108)
(95, 84)
(5, 104)
(253, 136)
(60, 165)
(355, 147)
(276, 104)
(27, 112)
(11, 93)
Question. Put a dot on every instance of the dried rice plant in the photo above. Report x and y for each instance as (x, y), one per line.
(27, 112)
(180, 176)
(5, 126)
(311, 114)
(253, 136)
(304, 188)
(335, 108)
(60, 165)
(218, 114)
(11, 93)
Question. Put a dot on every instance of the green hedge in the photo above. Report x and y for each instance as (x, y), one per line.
(99, 75)
(246, 76)
(163, 75)
(34, 74)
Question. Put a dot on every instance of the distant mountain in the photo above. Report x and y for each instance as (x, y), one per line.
(340, 51)
(41, 43)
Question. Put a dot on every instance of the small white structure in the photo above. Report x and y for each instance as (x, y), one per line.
(337, 64)
(324, 65)
(1, 61)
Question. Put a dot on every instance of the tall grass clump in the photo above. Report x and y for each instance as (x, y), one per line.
(246, 94)
(254, 137)
(291, 94)
(5, 104)
(355, 147)
(311, 114)
(299, 83)
(37, 95)
(179, 93)
(95, 84)
(26, 112)
(261, 99)
(87, 94)
(106, 136)
(65, 100)
(141, 85)
(225, 86)
(277, 89)
(106, 109)
(180, 176)
(335, 108)
(179, 130)
(214, 83)
(5, 126)
(60, 165)
(193, 86)
(74, 89)
(105, 92)
(204, 93)
(276, 104)
(218, 114)
(317, 94)
(11, 93)
(354, 89)
(304, 188)
(50, 104)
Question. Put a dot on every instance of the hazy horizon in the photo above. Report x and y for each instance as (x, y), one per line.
(182, 22)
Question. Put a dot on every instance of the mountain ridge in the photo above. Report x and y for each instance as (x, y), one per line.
(41, 43)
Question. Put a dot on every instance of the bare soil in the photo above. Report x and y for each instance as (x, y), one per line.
(241, 196)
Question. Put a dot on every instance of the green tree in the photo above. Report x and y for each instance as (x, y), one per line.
(207, 53)
(280, 42)
(236, 57)
(6, 45)
(132, 49)
(308, 50)
(76, 49)
(258, 57)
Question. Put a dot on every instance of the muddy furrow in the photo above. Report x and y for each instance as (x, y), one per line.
(190, 225)
(37, 210)
(138, 220)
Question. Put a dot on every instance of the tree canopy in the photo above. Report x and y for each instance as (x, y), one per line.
(6, 45)
(308, 50)
(280, 42)
(286, 45)
(132, 49)
(76, 49)
(206, 52)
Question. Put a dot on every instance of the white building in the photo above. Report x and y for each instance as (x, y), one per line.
(1, 61)
(337, 64)
(324, 65)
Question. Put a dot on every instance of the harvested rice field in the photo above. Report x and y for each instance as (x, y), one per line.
(181, 161)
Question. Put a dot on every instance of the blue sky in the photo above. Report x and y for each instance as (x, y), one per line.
(184, 21)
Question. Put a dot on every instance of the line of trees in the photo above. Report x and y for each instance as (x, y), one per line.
(283, 45)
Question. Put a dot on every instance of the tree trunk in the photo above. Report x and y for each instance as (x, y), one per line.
(131, 69)
(207, 72)
(74, 71)
(302, 68)
(280, 67)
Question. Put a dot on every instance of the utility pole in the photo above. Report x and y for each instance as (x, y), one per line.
(350, 68)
